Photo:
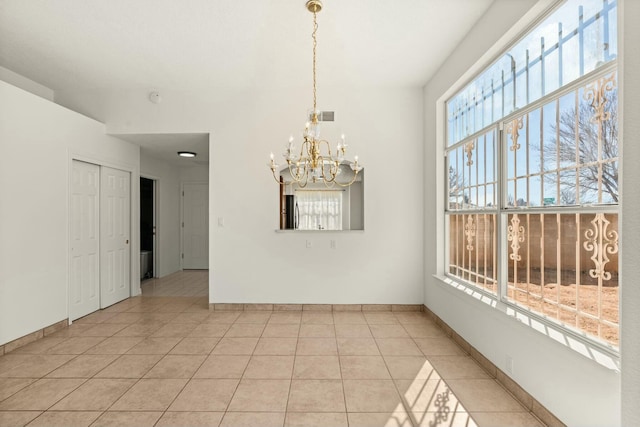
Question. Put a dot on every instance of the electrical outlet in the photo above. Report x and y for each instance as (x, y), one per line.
(509, 365)
(309, 244)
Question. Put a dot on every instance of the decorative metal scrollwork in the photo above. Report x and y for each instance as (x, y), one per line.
(468, 148)
(513, 129)
(515, 234)
(601, 242)
(596, 94)
(470, 232)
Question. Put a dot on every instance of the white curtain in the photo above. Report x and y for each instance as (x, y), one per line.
(319, 210)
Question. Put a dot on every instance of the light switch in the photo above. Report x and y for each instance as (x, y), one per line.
(220, 221)
(309, 244)
(332, 244)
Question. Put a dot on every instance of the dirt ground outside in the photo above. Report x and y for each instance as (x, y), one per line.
(571, 304)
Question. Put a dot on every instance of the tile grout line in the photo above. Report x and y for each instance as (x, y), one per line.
(226, 410)
(344, 393)
(404, 403)
(412, 417)
(188, 379)
(67, 394)
(293, 370)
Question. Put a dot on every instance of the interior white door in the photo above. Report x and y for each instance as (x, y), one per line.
(84, 280)
(115, 248)
(195, 226)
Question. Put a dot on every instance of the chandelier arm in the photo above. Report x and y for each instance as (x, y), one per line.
(273, 171)
(306, 180)
(305, 143)
(330, 184)
(328, 146)
(355, 175)
(333, 175)
(296, 177)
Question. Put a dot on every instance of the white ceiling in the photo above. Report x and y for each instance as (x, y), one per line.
(166, 146)
(100, 46)
(178, 44)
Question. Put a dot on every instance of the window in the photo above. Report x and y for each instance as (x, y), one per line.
(319, 209)
(532, 172)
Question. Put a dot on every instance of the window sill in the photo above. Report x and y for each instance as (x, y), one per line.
(603, 354)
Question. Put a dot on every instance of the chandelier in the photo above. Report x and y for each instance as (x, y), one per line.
(315, 161)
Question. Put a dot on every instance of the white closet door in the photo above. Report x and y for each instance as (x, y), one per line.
(115, 235)
(84, 280)
(195, 226)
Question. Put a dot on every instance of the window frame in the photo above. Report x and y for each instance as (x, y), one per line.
(501, 210)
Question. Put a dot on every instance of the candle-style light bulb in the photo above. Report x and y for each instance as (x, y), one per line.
(355, 158)
(272, 163)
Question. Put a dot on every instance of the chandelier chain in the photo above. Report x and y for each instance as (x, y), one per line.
(315, 43)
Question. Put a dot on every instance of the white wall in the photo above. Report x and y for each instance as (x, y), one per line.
(168, 206)
(249, 261)
(630, 222)
(37, 140)
(382, 264)
(576, 389)
(195, 173)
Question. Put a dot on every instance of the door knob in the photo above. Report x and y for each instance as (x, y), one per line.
(127, 241)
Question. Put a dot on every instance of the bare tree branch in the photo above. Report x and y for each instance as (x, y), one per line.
(575, 142)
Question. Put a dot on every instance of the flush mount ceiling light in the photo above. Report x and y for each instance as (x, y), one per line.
(186, 154)
(316, 161)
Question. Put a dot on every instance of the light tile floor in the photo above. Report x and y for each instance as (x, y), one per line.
(168, 361)
(186, 283)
